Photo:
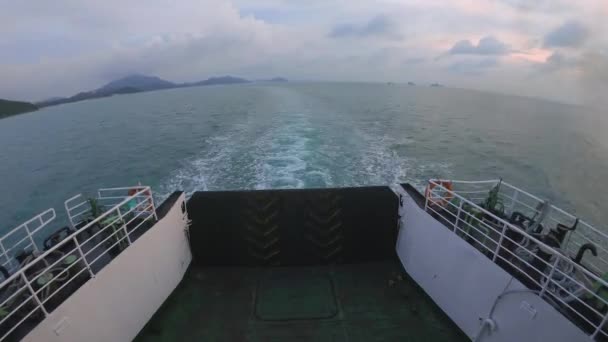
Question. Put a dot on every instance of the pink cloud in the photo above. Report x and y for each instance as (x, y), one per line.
(536, 55)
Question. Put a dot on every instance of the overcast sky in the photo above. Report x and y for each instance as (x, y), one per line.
(555, 49)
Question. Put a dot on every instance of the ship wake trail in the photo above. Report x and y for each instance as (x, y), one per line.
(213, 168)
(384, 159)
(283, 159)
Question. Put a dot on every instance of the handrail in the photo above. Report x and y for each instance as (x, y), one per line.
(26, 223)
(42, 219)
(73, 235)
(521, 231)
(59, 273)
(486, 212)
(515, 197)
(553, 207)
(468, 182)
(120, 188)
(560, 275)
(69, 208)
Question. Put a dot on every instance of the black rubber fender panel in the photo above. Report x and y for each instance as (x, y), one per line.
(293, 227)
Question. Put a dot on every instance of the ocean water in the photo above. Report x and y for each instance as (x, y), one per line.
(296, 135)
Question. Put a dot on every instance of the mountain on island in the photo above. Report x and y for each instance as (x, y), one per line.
(275, 79)
(216, 81)
(141, 82)
(137, 83)
(9, 108)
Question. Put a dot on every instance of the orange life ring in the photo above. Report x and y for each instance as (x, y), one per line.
(445, 198)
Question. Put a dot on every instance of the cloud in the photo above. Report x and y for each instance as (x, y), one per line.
(570, 34)
(538, 5)
(202, 45)
(558, 60)
(588, 73)
(415, 60)
(380, 25)
(487, 46)
(86, 44)
(473, 67)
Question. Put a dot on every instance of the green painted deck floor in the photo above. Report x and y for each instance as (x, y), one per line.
(360, 302)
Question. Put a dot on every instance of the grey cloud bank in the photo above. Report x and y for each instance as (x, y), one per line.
(62, 47)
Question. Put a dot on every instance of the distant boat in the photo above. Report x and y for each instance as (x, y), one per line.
(411, 83)
(437, 85)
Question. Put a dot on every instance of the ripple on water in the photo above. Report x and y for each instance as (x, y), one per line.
(282, 154)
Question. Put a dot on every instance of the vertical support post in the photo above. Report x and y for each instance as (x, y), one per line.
(513, 200)
(124, 225)
(500, 239)
(458, 215)
(426, 197)
(27, 230)
(67, 210)
(599, 327)
(152, 203)
(84, 258)
(566, 244)
(4, 252)
(553, 267)
(34, 295)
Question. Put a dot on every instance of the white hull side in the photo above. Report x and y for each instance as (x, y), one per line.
(466, 284)
(123, 296)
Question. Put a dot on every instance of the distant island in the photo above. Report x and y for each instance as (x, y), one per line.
(141, 83)
(275, 79)
(214, 81)
(9, 108)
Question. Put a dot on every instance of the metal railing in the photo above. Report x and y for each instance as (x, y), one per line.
(569, 286)
(21, 238)
(515, 199)
(112, 196)
(78, 209)
(46, 279)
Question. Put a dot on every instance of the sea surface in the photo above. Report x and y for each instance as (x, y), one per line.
(297, 135)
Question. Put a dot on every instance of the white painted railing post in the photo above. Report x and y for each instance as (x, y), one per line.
(566, 244)
(513, 200)
(34, 295)
(84, 258)
(458, 216)
(153, 205)
(4, 251)
(599, 327)
(500, 239)
(426, 198)
(549, 277)
(68, 210)
(124, 225)
(27, 230)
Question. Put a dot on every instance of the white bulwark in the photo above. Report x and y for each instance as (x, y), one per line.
(496, 279)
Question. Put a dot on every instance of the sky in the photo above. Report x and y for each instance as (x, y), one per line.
(554, 49)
